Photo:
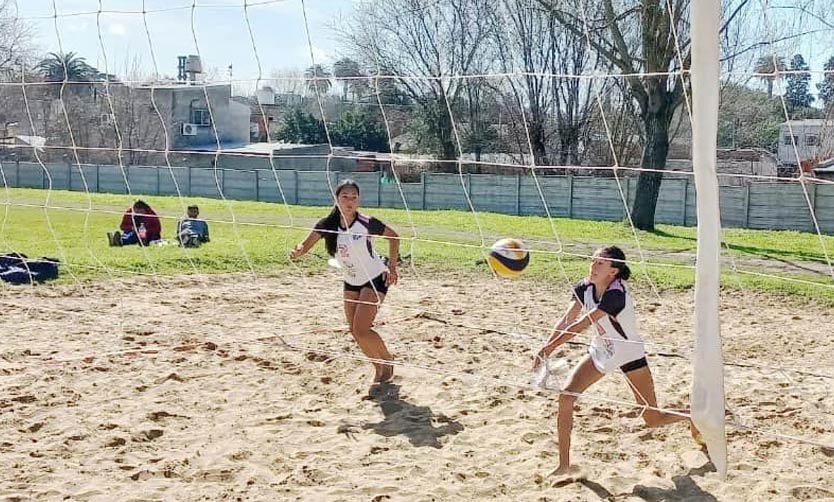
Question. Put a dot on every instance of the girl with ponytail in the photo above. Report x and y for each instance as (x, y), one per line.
(603, 300)
(348, 237)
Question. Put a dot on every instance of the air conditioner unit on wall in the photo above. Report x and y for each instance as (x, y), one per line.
(189, 129)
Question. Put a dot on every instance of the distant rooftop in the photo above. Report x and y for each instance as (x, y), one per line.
(810, 122)
(178, 85)
(254, 148)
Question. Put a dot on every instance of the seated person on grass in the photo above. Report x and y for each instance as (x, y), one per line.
(140, 225)
(192, 231)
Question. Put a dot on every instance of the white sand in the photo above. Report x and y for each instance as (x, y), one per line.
(179, 389)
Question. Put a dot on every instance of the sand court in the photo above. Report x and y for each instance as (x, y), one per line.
(181, 389)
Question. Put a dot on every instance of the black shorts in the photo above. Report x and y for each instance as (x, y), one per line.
(634, 365)
(378, 285)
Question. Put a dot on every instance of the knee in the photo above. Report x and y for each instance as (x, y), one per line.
(359, 331)
(566, 402)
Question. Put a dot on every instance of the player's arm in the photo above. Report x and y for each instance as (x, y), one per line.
(393, 254)
(302, 248)
(566, 334)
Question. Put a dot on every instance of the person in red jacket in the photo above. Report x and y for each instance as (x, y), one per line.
(140, 225)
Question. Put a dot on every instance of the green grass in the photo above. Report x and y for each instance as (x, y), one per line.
(440, 240)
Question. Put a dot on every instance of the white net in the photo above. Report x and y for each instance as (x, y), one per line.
(569, 126)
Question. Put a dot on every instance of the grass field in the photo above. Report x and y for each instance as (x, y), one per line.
(73, 229)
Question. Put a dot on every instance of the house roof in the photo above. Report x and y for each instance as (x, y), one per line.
(809, 122)
(250, 148)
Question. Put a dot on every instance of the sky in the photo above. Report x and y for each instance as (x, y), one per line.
(278, 29)
(222, 35)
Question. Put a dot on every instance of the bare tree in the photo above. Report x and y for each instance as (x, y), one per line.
(15, 40)
(287, 81)
(553, 97)
(648, 41)
(574, 93)
(427, 47)
(525, 45)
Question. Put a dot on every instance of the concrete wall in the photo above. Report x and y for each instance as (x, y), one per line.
(781, 206)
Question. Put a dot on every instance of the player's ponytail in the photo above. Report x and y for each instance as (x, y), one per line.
(618, 261)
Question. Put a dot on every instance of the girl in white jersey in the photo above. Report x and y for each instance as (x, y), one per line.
(604, 302)
(348, 237)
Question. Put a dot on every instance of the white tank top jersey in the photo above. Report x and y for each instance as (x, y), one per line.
(355, 249)
(616, 340)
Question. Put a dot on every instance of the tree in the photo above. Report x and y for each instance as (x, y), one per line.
(60, 67)
(15, 39)
(318, 79)
(348, 73)
(286, 81)
(649, 42)
(361, 130)
(424, 46)
(478, 131)
(300, 127)
(766, 67)
(798, 94)
(826, 87)
(526, 46)
(748, 118)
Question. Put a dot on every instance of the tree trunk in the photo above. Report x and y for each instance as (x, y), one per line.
(654, 157)
(445, 138)
(537, 139)
(569, 145)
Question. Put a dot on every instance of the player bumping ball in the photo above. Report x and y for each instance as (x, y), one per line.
(508, 257)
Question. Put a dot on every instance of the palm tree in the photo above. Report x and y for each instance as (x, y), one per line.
(767, 66)
(318, 78)
(58, 67)
(348, 72)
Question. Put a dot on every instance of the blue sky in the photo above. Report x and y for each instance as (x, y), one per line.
(220, 27)
(277, 26)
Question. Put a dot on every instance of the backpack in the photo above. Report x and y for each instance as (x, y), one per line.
(17, 268)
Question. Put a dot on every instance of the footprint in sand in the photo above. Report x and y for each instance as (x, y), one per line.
(811, 493)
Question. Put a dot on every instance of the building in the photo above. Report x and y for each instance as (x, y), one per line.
(267, 109)
(195, 115)
(805, 140)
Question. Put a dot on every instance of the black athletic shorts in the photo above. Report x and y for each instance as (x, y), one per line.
(634, 365)
(378, 285)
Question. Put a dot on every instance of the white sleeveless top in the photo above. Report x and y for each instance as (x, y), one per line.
(355, 249)
(616, 340)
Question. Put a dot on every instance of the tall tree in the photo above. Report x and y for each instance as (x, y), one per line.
(15, 39)
(58, 67)
(573, 93)
(766, 67)
(426, 46)
(287, 81)
(798, 94)
(826, 87)
(649, 42)
(349, 74)
(524, 44)
(318, 77)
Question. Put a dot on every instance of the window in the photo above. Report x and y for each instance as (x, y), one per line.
(200, 116)
(787, 140)
(812, 140)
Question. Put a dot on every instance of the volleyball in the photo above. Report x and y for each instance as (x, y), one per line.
(508, 257)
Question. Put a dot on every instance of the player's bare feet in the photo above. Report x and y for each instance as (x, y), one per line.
(696, 434)
(386, 373)
(565, 475)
